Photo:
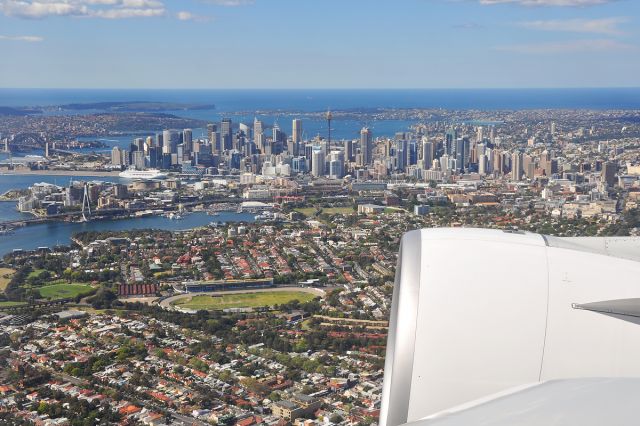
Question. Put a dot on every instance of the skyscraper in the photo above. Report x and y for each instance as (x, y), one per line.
(516, 166)
(226, 136)
(116, 156)
(348, 150)
(296, 130)
(366, 145)
(317, 162)
(258, 134)
(336, 164)
(609, 170)
(211, 128)
(170, 140)
(428, 153)
(187, 140)
(246, 130)
(450, 138)
(462, 153)
(329, 117)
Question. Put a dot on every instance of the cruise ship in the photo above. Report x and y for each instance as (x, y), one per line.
(142, 174)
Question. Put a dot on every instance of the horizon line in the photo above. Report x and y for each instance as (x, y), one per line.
(328, 88)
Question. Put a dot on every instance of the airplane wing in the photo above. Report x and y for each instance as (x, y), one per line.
(584, 402)
(476, 312)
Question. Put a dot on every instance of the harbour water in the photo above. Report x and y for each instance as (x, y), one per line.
(59, 233)
(56, 233)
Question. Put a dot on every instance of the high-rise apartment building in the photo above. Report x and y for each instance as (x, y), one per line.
(366, 145)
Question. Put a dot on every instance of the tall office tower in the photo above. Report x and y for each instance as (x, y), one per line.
(462, 153)
(329, 117)
(46, 149)
(545, 161)
(292, 147)
(180, 153)
(235, 160)
(239, 140)
(553, 128)
(366, 145)
(488, 153)
(278, 139)
(498, 164)
(528, 166)
(159, 140)
(258, 134)
(249, 148)
(492, 134)
(479, 134)
(148, 143)
(450, 138)
(480, 150)
(482, 164)
(308, 150)
(317, 162)
(116, 156)
(226, 136)
(138, 160)
(267, 146)
(187, 140)
(155, 157)
(348, 150)
(336, 164)
(444, 162)
(609, 170)
(170, 140)
(211, 128)
(401, 154)
(246, 130)
(299, 164)
(428, 153)
(296, 130)
(139, 143)
(516, 166)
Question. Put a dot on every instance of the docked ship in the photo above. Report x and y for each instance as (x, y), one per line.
(142, 174)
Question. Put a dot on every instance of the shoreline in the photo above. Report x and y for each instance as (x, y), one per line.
(91, 173)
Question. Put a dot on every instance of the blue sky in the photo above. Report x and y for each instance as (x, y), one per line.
(319, 44)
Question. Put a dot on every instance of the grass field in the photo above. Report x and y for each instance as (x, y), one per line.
(311, 211)
(5, 277)
(63, 291)
(35, 273)
(307, 211)
(245, 300)
(339, 210)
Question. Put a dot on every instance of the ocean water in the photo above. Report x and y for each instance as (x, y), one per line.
(235, 100)
(281, 106)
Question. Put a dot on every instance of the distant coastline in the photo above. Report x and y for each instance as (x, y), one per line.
(313, 100)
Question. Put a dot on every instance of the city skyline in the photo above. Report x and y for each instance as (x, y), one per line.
(287, 44)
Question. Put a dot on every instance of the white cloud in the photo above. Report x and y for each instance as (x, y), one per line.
(188, 16)
(565, 3)
(595, 26)
(229, 3)
(107, 9)
(568, 47)
(28, 39)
